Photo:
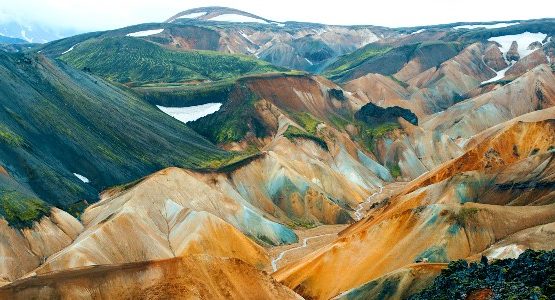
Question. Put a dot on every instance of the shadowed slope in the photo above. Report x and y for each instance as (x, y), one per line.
(57, 121)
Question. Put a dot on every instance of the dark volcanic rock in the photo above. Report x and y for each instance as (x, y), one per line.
(337, 94)
(512, 54)
(530, 276)
(374, 115)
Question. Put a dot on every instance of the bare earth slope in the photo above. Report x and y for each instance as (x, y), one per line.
(435, 218)
(192, 277)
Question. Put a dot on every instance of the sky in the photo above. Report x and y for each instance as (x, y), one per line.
(110, 14)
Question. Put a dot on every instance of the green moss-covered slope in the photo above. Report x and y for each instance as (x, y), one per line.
(388, 59)
(136, 61)
(56, 121)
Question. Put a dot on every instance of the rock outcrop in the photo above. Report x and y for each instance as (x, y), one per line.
(512, 54)
(493, 57)
(375, 115)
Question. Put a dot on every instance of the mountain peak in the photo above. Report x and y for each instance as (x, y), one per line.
(219, 14)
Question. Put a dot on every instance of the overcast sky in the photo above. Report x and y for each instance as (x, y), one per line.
(108, 14)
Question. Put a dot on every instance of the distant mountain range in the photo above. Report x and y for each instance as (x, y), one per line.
(11, 40)
(316, 48)
(32, 32)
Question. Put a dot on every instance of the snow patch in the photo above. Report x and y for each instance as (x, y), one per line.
(237, 19)
(145, 33)
(308, 61)
(523, 40)
(191, 113)
(499, 75)
(193, 15)
(246, 37)
(82, 178)
(69, 49)
(419, 31)
(486, 26)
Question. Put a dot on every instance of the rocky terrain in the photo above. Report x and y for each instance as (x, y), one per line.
(223, 155)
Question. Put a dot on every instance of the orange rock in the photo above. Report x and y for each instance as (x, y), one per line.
(191, 277)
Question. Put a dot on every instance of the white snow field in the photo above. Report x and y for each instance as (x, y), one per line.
(486, 26)
(145, 33)
(82, 178)
(419, 31)
(523, 40)
(68, 50)
(191, 113)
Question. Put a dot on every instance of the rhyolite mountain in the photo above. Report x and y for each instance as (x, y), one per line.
(340, 162)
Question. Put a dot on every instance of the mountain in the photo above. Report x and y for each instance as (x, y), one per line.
(61, 132)
(221, 154)
(423, 62)
(10, 40)
(292, 45)
(109, 57)
(296, 45)
(220, 14)
(33, 32)
(447, 217)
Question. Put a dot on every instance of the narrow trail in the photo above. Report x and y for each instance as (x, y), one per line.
(304, 245)
(358, 211)
(358, 216)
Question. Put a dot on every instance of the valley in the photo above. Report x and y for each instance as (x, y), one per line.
(224, 155)
(315, 238)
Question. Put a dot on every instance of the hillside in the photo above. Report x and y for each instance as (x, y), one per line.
(458, 217)
(11, 40)
(387, 60)
(190, 277)
(527, 277)
(58, 122)
(135, 61)
(291, 45)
